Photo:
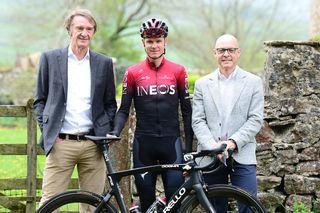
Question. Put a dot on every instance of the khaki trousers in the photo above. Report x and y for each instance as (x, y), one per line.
(60, 164)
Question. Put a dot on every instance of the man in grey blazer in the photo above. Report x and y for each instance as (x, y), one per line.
(228, 108)
(75, 95)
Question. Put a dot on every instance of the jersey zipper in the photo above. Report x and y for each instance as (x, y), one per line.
(157, 104)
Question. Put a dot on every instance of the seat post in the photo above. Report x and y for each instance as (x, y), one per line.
(105, 148)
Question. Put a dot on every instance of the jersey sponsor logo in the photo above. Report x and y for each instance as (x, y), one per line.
(156, 89)
(145, 78)
(166, 77)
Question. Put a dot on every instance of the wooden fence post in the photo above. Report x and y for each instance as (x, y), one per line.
(32, 159)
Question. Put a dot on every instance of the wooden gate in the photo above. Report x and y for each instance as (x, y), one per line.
(27, 204)
(30, 149)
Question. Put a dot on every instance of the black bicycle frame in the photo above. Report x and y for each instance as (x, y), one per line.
(194, 182)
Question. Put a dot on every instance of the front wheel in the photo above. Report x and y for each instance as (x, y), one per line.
(78, 201)
(230, 195)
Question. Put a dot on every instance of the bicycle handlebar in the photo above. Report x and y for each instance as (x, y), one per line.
(211, 167)
(202, 153)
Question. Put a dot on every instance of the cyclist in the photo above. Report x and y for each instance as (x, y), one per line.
(156, 85)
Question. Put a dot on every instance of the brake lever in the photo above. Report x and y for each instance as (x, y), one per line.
(224, 158)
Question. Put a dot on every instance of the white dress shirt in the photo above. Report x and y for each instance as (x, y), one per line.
(226, 92)
(78, 117)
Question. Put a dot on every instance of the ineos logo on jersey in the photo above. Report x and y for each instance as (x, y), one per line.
(156, 89)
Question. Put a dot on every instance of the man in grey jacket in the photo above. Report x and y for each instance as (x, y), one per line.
(75, 95)
(228, 108)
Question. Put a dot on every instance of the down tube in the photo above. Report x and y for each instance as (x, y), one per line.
(174, 203)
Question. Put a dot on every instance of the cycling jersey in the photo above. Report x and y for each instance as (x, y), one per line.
(157, 92)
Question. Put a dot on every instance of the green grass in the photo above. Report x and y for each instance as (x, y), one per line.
(10, 122)
(15, 166)
(11, 135)
(301, 208)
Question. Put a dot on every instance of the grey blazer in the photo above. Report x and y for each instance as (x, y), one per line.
(51, 94)
(244, 122)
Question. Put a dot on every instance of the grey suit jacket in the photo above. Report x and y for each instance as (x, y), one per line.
(51, 94)
(244, 122)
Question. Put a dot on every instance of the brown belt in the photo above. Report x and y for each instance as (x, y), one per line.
(72, 137)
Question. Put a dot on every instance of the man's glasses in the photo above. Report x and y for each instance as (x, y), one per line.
(221, 51)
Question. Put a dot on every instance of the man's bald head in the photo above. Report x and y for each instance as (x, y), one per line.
(227, 40)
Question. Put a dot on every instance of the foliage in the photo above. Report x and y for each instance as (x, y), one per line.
(118, 25)
(119, 91)
(117, 34)
(21, 88)
(196, 25)
(300, 208)
(193, 26)
(117, 20)
(192, 77)
(315, 38)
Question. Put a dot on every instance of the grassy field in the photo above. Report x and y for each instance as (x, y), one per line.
(13, 131)
(15, 166)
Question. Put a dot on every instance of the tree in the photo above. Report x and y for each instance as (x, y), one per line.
(196, 24)
(39, 25)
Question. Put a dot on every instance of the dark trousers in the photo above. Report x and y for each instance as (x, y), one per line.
(150, 150)
(243, 176)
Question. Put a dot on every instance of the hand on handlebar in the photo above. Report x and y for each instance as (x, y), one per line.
(231, 145)
(111, 136)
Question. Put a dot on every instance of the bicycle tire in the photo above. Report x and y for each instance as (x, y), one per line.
(69, 202)
(234, 194)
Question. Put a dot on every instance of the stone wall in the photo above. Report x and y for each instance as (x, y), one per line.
(288, 148)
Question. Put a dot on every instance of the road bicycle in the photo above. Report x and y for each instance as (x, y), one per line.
(193, 196)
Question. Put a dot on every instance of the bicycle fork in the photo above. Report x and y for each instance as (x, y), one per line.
(201, 195)
(203, 200)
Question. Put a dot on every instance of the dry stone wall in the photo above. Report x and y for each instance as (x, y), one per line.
(288, 146)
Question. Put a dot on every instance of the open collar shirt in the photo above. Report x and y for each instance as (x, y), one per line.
(226, 93)
(78, 117)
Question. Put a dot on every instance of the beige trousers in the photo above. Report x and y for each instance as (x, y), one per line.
(61, 161)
